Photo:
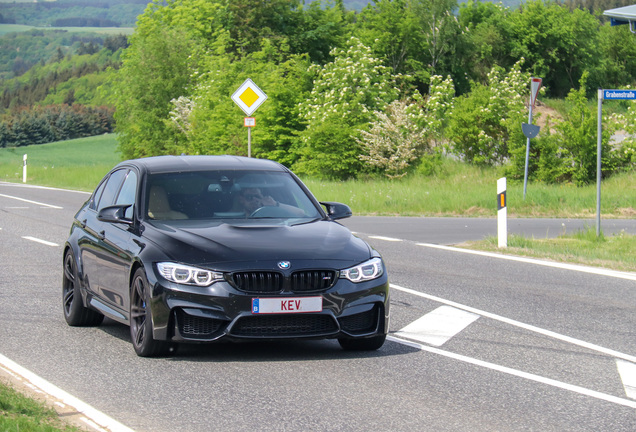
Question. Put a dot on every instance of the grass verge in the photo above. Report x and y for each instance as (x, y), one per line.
(20, 413)
(614, 252)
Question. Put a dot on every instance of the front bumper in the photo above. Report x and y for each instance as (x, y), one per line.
(182, 313)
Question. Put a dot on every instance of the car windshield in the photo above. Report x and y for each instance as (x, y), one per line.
(226, 194)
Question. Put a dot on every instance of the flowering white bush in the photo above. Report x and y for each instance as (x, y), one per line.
(405, 131)
(486, 122)
(350, 88)
(431, 113)
(393, 142)
(345, 94)
(180, 114)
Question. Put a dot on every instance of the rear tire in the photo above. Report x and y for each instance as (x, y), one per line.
(141, 321)
(363, 344)
(75, 313)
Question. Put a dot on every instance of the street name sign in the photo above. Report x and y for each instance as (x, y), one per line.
(619, 94)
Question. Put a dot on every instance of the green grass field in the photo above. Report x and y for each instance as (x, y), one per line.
(13, 28)
(74, 164)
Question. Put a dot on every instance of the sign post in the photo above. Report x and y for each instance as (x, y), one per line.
(24, 168)
(249, 97)
(530, 130)
(605, 95)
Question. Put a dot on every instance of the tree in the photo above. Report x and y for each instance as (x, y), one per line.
(345, 94)
(157, 68)
(485, 123)
(488, 37)
(558, 45)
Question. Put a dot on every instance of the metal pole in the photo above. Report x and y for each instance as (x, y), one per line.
(598, 162)
(249, 142)
(525, 176)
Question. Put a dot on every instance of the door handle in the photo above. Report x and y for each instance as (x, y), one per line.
(83, 223)
(102, 235)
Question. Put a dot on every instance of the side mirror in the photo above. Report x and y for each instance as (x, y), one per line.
(115, 214)
(337, 210)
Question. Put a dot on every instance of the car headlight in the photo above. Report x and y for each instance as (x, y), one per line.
(187, 275)
(368, 270)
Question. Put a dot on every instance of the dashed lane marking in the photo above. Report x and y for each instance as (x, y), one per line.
(32, 202)
(37, 240)
(390, 239)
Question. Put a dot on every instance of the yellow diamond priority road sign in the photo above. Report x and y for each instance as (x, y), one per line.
(249, 97)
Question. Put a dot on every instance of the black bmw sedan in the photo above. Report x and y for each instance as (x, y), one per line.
(199, 249)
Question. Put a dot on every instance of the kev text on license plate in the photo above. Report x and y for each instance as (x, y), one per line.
(286, 305)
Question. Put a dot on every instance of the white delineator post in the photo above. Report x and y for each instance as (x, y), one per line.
(24, 169)
(502, 214)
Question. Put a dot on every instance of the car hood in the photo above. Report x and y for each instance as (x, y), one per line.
(226, 246)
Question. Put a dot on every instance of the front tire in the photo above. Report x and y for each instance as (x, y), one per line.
(363, 344)
(75, 313)
(141, 322)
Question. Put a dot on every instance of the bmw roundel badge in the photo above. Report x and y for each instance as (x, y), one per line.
(284, 265)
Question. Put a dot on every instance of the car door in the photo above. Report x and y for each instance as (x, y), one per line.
(116, 248)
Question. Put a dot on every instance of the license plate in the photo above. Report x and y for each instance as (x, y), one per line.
(283, 305)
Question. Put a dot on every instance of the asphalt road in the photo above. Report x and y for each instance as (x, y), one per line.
(523, 347)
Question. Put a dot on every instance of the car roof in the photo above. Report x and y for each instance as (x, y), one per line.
(166, 164)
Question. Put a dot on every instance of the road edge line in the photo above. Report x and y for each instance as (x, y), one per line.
(91, 413)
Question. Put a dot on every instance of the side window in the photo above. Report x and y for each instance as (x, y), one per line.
(97, 195)
(111, 189)
(128, 193)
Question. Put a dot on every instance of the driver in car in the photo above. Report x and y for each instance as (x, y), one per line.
(251, 199)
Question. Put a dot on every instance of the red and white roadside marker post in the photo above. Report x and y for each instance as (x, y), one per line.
(502, 214)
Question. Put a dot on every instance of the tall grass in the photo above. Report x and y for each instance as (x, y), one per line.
(461, 190)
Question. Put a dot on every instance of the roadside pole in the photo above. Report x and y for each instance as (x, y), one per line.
(24, 169)
(599, 139)
(249, 123)
(530, 130)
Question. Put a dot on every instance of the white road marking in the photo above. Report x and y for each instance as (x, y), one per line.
(519, 324)
(575, 267)
(32, 202)
(439, 326)
(94, 415)
(518, 373)
(627, 371)
(37, 240)
(20, 185)
(391, 239)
